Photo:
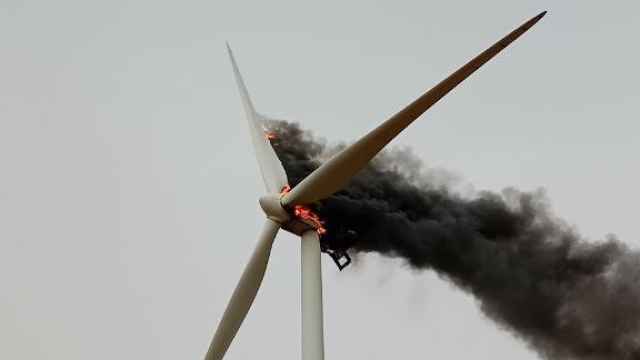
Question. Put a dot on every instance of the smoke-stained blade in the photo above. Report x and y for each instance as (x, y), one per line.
(337, 171)
(244, 294)
(273, 173)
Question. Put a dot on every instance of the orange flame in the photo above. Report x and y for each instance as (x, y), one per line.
(306, 214)
(270, 135)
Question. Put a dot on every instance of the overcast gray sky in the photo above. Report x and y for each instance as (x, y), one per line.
(128, 188)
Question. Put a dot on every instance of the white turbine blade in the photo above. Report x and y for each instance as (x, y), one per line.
(337, 171)
(244, 294)
(273, 173)
(311, 277)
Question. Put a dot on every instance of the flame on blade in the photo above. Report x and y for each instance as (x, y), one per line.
(306, 214)
(270, 135)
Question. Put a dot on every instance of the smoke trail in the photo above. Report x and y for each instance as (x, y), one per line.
(531, 272)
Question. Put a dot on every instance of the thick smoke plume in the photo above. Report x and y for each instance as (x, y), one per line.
(566, 297)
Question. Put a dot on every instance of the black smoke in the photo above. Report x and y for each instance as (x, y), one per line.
(567, 297)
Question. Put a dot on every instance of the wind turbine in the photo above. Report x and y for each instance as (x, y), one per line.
(284, 207)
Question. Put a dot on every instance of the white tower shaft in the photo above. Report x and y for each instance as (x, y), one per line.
(312, 317)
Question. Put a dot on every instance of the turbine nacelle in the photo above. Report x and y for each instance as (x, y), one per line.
(289, 219)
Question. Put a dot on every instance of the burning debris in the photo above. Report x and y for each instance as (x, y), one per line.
(269, 135)
(530, 271)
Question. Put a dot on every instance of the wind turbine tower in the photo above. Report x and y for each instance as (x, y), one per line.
(286, 208)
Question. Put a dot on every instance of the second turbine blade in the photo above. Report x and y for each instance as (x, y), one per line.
(244, 294)
(337, 171)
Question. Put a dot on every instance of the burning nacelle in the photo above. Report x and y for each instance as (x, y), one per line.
(300, 219)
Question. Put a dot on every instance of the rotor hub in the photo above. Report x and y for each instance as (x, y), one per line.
(274, 210)
(288, 221)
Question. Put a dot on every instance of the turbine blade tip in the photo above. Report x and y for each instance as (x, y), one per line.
(533, 20)
(537, 18)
